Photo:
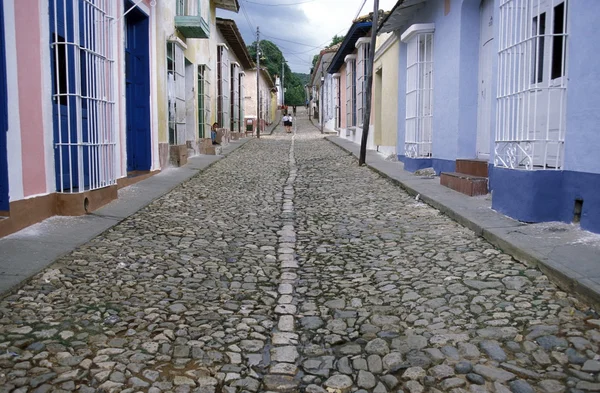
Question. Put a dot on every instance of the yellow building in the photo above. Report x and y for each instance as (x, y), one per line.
(385, 93)
(193, 77)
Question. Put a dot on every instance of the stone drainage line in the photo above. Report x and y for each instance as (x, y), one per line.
(284, 339)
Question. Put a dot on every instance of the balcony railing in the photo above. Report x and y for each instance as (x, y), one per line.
(189, 21)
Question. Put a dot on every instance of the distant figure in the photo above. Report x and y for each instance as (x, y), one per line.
(306, 104)
(213, 133)
(294, 110)
(287, 123)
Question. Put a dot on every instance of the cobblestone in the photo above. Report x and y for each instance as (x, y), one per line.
(286, 267)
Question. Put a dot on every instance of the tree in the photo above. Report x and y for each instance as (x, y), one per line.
(335, 40)
(271, 59)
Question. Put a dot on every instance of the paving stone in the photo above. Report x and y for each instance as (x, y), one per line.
(285, 268)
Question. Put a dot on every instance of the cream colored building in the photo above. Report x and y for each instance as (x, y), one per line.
(385, 93)
(189, 58)
(265, 95)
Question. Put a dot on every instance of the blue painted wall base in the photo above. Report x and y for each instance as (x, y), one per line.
(440, 165)
(539, 196)
(414, 164)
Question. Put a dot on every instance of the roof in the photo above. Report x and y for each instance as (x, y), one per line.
(357, 30)
(325, 58)
(401, 14)
(266, 76)
(229, 5)
(235, 41)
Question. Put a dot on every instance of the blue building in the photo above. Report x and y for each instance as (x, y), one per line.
(505, 89)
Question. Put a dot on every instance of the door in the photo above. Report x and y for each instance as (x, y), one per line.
(485, 98)
(137, 90)
(4, 202)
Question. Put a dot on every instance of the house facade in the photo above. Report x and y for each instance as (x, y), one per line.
(98, 95)
(265, 98)
(348, 68)
(323, 89)
(510, 87)
(385, 93)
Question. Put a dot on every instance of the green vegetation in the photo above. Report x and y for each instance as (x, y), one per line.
(271, 59)
(335, 40)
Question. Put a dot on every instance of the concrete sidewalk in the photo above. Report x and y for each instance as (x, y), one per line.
(27, 252)
(565, 253)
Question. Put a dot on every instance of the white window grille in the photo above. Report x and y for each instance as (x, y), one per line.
(82, 48)
(235, 98)
(242, 96)
(223, 79)
(187, 7)
(337, 87)
(363, 45)
(176, 93)
(350, 91)
(419, 90)
(203, 101)
(532, 84)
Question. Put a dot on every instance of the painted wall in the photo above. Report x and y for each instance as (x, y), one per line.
(385, 94)
(582, 137)
(250, 88)
(30, 76)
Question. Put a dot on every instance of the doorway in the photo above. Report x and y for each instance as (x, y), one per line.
(137, 90)
(485, 98)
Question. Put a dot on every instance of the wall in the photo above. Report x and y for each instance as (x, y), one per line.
(386, 94)
(446, 83)
(582, 138)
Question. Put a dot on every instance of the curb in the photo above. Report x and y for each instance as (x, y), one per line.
(115, 221)
(564, 279)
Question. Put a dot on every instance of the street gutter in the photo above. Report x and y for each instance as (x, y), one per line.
(567, 255)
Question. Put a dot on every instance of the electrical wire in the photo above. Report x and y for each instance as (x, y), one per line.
(360, 9)
(280, 4)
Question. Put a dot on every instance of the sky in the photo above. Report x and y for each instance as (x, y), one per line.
(300, 28)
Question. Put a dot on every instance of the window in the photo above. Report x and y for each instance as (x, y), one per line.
(539, 31)
(362, 62)
(530, 116)
(558, 41)
(419, 91)
(235, 100)
(223, 111)
(82, 64)
(203, 101)
(176, 93)
(350, 91)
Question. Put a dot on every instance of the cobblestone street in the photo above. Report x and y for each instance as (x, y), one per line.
(286, 267)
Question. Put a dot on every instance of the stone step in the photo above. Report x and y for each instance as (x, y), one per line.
(472, 167)
(465, 184)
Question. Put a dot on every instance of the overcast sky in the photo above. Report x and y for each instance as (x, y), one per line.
(310, 24)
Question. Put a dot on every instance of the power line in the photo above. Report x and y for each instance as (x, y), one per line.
(292, 42)
(246, 16)
(360, 9)
(280, 4)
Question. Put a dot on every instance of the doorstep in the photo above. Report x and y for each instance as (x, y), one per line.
(568, 255)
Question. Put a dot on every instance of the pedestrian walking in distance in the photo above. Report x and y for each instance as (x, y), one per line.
(294, 110)
(287, 123)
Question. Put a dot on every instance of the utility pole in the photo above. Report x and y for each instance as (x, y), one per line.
(257, 83)
(321, 115)
(367, 114)
(282, 83)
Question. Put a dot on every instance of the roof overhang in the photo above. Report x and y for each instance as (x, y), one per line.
(401, 15)
(357, 30)
(234, 39)
(265, 74)
(229, 5)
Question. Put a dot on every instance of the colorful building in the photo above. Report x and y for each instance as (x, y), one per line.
(263, 98)
(509, 89)
(97, 95)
